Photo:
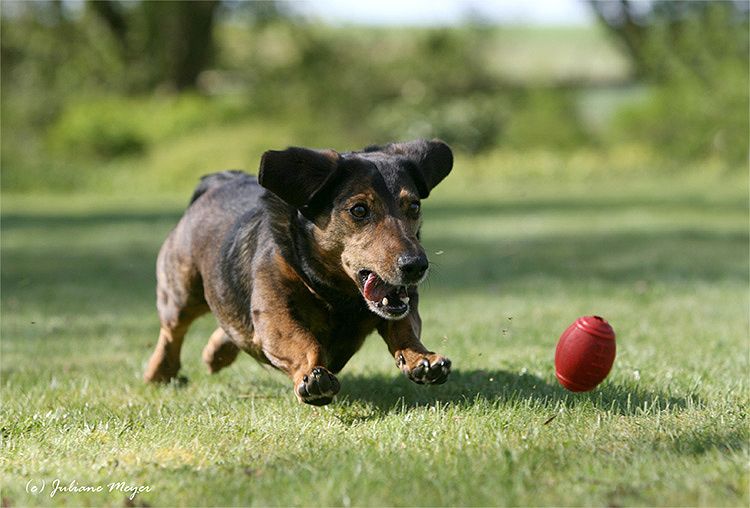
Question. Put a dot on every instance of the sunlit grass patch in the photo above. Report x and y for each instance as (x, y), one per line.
(664, 260)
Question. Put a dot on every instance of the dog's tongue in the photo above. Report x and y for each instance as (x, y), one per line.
(375, 289)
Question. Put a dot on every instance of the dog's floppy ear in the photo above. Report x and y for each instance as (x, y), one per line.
(432, 160)
(296, 174)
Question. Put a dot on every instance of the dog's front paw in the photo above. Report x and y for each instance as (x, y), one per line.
(429, 369)
(318, 387)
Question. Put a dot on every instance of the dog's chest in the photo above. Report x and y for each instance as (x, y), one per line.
(341, 331)
(334, 325)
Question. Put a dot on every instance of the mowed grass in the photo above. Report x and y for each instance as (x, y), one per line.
(663, 258)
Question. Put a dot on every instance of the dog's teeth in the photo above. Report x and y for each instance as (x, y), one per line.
(405, 299)
(385, 301)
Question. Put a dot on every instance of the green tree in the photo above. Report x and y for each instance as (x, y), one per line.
(167, 43)
(666, 37)
(694, 53)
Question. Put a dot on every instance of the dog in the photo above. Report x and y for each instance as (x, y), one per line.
(301, 264)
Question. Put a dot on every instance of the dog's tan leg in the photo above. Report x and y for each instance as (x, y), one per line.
(179, 301)
(412, 357)
(165, 360)
(282, 333)
(293, 349)
(220, 351)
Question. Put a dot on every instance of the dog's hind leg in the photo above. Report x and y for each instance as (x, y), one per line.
(165, 360)
(179, 301)
(220, 351)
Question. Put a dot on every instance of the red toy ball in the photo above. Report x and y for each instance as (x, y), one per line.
(585, 354)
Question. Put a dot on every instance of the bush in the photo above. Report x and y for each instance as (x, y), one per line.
(689, 120)
(97, 129)
(546, 118)
(471, 124)
(115, 126)
(695, 55)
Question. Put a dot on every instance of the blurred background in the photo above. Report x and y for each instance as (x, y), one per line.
(103, 96)
(601, 168)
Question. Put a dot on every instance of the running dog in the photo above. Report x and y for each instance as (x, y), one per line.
(301, 264)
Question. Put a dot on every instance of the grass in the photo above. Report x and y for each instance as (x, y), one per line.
(664, 258)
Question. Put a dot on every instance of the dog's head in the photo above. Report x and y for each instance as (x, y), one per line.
(364, 211)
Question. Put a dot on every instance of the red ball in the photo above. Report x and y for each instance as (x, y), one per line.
(585, 354)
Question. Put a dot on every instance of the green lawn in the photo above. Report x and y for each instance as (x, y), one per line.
(663, 258)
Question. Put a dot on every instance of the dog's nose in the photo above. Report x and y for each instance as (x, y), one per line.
(412, 267)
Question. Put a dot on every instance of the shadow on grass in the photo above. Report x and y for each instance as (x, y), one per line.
(592, 204)
(107, 258)
(115, 259)
(389, 394)
(384, 395)
(18, 221)
(616, 256)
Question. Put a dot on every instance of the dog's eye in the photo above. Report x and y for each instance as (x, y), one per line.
(360, 211)
(414, 208)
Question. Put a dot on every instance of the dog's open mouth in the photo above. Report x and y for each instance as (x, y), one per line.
(386, 300)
